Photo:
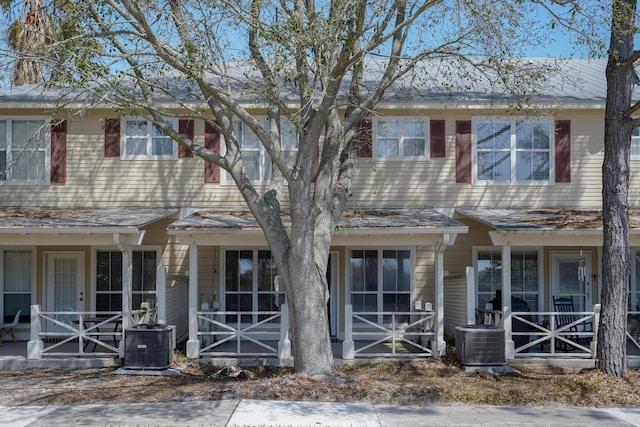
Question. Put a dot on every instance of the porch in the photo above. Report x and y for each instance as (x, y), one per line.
(224, 339)
(367, 335)
(72, 339)
(541, 336)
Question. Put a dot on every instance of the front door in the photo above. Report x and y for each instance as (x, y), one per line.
(571, 277)
(65, 284)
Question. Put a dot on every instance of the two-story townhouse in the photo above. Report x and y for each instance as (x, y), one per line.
(458, 194)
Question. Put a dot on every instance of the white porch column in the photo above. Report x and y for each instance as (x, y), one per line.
(161, 293)
(506, 302)
(127, 279)
(284, 345)
(348, 348)
(441, 345)
(471, 295)
(193, 344)
(35, 344)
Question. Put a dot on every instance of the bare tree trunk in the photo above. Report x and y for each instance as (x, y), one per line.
(307, 289)
(616, 268)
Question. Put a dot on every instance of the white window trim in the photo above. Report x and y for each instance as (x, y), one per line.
(538, 249)
(512, 181)
(93, 279)
(34, 273)
(223, 275)
(634, 286)
(94, 266)
(427, 144)
(47, 149)
(380, 291)
(158, 251)
(149, 137)
(226, 178)
(636, 140)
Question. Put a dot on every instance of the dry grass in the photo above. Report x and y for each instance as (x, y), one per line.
(416, 382)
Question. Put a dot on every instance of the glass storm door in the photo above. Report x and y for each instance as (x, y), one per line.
(65, 280)
(571, 277)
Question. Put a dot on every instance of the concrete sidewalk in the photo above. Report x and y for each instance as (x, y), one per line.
(316, 414)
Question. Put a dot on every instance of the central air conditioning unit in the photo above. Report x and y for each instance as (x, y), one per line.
(480, 345)
(148, 346)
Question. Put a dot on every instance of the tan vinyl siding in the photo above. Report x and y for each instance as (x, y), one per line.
(460, 255)
(177, 308)
(432, 182)
(208, 274)
(425, 275)
(455, 303)
(95, 181)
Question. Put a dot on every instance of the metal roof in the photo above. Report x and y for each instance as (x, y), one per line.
(563, 82)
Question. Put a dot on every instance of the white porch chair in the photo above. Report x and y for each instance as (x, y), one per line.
(10, 327)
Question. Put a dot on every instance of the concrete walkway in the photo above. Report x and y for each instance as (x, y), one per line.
(316, 414)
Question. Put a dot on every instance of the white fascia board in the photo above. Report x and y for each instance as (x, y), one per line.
(248, 238)
(401, 231)
(80, 230)
(548, 238)
(360, 237)
(57, 239)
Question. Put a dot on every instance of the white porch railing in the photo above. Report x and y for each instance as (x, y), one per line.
(405, 334)
(74, 333)
(633, 335)
(80, 333)
(244, 333)
(545, 339)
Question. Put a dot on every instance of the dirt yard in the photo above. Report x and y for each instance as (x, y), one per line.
(417, 382)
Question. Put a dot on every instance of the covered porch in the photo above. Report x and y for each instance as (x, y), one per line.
(76, 279)
(228, 321)
(543, 270)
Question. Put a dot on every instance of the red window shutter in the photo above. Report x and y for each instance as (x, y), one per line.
(563, 151)
(59, 152)
(463, 151)
(185, 129)
(211, 142)
(438, 143)
(112, 137)
(365, 138)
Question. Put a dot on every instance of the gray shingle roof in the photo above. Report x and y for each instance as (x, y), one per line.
(545, 220)
(381, 219)
(76, 219)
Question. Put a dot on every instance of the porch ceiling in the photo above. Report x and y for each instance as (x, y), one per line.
(369, 222)
(558, 227)
(46, 226)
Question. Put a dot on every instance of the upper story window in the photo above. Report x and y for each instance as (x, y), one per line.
(401, 138)
(635, 144)
(513, 149)
(143, 140)
(256, 160)
(24, 148)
